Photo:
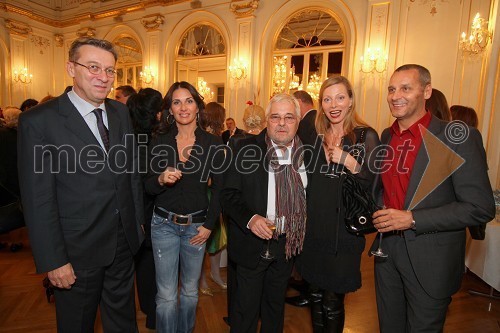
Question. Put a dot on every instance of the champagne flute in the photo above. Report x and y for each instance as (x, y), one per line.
(266, 254)
(379, 252)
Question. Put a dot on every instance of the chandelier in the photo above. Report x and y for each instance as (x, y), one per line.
(238, 70)
(373, 62)
(147, 75)
(279, 74)
(22, 76)
(204, 90)
(478, 38)
(314, 85)
(295, 80)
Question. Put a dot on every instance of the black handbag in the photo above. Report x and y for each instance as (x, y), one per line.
(359, 204)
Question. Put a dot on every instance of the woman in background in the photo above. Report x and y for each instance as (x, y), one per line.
(183, 158)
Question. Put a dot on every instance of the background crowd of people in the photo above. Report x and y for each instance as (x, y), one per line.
(150, 166)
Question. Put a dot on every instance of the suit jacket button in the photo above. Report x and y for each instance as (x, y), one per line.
(117, 211)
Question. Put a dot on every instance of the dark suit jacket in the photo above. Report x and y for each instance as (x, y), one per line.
(437, 248)
(73, 203)
(307, 129)
(244, 195)
(225, 134)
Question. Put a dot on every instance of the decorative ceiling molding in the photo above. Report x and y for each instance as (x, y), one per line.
(86, 32)
(18, 28)
(152, 22)
(432, 4)
(243, 9)
(116, 13)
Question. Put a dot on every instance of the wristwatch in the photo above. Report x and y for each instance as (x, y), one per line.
(413, 227)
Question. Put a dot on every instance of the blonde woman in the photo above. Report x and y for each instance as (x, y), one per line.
(331, 256)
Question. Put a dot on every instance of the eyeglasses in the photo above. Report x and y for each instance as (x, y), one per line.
(289, 119)
(96, 70)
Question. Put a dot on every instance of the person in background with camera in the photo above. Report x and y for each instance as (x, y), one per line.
(424, 240)
(183, 157)
(331, 257)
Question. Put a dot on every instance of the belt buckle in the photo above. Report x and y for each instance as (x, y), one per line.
(189, 219)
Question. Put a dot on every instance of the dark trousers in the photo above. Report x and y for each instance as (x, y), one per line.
(231, 287)
(146, 284)
(403, 305)
(110, 287)
(261, 290)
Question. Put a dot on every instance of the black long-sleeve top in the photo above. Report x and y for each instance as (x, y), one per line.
(189, 194)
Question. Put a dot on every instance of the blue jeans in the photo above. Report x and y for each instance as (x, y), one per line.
(171, 242)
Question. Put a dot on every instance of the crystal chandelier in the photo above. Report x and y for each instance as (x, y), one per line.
(279, 74)
(314, 85)
(204, 90)
(478, 38)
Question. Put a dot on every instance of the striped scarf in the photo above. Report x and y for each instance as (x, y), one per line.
(290, 196)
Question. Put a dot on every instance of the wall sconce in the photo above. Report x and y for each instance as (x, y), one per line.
(204, 90)
(22, 76)
(147, 75)
(478, 38)
(239, 69)
(373, 62)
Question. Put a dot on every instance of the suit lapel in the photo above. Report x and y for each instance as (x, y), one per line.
(75, 122)
(262, 172)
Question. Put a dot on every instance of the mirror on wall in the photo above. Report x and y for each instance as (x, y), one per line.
(201, 61)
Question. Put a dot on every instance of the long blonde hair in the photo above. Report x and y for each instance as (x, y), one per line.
(351, 120)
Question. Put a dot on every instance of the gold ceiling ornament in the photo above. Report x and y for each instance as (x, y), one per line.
(86, 32)
(243, 9)
(478, 39)
(18, 28)
(195, 4)
(152, 22)
(59, 40)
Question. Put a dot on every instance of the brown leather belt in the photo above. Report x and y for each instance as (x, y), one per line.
(180, 219)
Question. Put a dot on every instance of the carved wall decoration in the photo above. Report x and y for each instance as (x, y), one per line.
(86, 32)
(59, 40)
(18, 28)
(40, 42)
(152, 22)
(432, 4)
(242, 8)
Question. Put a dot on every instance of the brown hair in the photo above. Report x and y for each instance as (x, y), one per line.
(466, 114)
(438, 106)
(100, 43)
(351, 120)
(214, 117)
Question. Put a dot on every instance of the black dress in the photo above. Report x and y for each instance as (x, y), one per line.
(331, 256)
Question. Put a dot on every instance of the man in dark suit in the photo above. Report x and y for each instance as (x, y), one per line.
(435, 184)
(266, 178)
(306, 130)
(82, 194)
(231, 130)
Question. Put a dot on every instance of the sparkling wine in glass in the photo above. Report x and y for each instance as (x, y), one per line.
(266, 254)
(379, 252)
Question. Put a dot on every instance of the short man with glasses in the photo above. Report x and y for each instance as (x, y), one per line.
(82, 196)
(266, 179)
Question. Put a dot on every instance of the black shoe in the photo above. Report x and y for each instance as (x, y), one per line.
(226, 320)
(299, 301)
